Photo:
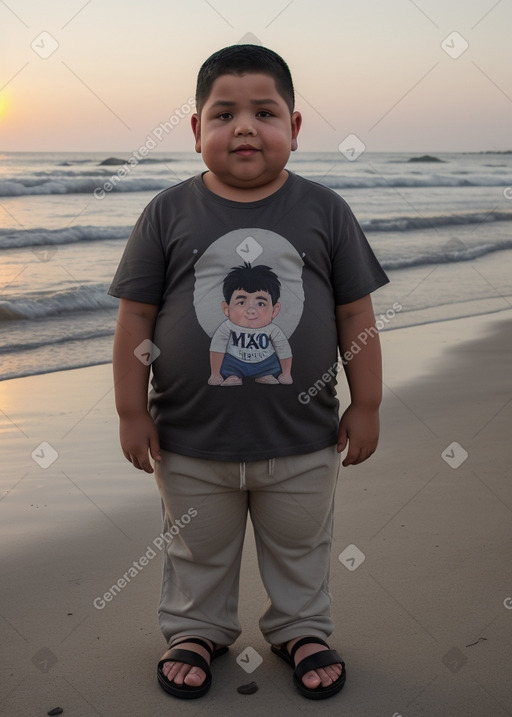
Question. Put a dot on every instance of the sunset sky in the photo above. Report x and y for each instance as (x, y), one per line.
(100, 75)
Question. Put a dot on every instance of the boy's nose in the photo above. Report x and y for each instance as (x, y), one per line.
(245, 127)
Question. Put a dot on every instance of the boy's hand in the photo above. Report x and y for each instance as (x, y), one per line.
(359, 427)
(215, 379)
(138, 437)
(285, 378)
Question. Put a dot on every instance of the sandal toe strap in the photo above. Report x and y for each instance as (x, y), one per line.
(324, 658)
(188, 657)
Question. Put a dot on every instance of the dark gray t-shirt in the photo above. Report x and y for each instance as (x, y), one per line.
(180, 251)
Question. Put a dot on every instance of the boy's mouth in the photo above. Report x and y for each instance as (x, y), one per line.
(245, 150)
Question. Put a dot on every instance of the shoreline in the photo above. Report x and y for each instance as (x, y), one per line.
(388, 326)
(430, 513)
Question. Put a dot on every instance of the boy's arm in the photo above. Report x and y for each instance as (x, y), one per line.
(359, 425)
(138, 434)
(216, 358)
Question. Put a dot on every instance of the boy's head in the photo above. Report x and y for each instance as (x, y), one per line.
(241, 60)
(245, 126)
(251, 296)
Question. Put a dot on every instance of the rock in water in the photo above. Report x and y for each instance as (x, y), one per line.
(426, 158)
(112, 161)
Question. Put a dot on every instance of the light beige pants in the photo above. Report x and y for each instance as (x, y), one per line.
(290, 501)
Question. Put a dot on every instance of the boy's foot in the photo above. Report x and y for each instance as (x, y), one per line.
(180, 673)
(324, 676)
(232, 381)
(266, 379)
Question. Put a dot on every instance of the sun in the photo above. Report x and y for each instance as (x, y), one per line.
(3, 104)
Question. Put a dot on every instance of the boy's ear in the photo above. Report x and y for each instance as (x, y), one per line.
(296, 125)
(276, 309)
(195, 121)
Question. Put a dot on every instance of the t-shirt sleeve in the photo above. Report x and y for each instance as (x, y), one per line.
(356, 271)
(140, 275)
(220, 339)
(280, 343)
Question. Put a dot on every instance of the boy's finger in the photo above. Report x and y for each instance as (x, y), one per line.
(342, 440)
(154, 449)
(353, 456)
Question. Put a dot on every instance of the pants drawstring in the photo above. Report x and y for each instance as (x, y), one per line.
(243, 485)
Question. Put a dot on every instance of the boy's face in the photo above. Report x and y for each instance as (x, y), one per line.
(245, 132)
(251, 311)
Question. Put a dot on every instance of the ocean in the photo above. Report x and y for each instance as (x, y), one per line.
(441, 229)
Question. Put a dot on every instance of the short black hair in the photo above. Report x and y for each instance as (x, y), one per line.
(240, 60)
(251, 278)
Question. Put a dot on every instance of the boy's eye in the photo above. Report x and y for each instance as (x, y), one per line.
(263, 113)
(225, 115)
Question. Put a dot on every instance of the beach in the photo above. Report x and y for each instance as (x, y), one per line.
(420, 578)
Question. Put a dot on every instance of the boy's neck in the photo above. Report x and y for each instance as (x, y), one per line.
(239, 194)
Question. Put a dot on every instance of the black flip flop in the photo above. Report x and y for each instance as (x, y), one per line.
(189, 657)
(324, 658)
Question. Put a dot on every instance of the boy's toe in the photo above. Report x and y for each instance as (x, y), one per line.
(311, 680)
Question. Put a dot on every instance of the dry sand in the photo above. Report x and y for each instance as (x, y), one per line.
(424, 622)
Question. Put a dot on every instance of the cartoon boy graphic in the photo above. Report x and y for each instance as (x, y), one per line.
(248, 344)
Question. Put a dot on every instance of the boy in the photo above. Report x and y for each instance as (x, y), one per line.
(219, 453)
(251, 302)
